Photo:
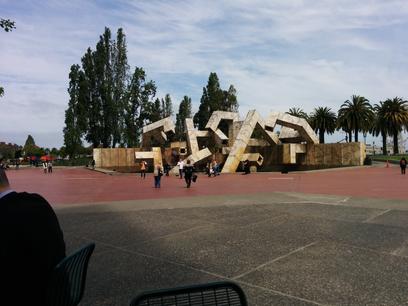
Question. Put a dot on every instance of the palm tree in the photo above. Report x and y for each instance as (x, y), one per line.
(356, 115)
(396, 116)
(297, 112)
(380, 125)
(343, 122)
(323, 120)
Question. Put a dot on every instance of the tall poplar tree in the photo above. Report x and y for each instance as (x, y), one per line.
(139, 95)
(120, 69)
(183, 113)
(74, 124)
(167, 106)
(214, 98)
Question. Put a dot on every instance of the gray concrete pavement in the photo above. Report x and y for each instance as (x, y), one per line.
(282, 248)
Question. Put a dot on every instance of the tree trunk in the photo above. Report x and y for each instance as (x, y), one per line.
(350, 136)
(396, 142)
(356, 135)
(384, 141)
(321, 136)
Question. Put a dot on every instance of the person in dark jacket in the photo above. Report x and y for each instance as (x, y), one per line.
(31, 245)
(403, 165)
(188, 173)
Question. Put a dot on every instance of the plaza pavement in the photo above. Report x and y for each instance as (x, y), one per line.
(284, 247)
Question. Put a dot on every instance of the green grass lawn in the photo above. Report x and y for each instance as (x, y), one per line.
(388, 157)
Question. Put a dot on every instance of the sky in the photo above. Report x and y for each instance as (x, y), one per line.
(278, 54)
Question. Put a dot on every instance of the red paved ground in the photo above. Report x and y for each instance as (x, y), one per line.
(74, 186)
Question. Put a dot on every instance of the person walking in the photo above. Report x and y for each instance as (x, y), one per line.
(157, 173)
(180, 164)
(403, 165)
(188, 173)
(143, 165)
(93, 164)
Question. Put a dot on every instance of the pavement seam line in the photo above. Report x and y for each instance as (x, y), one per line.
(313, 202)
(170, 235)
(262, 221)
(162, 259)
(397, 251)
(365, 249)
(211, 273)
(274, 260)
(377, 215)
(280, 293)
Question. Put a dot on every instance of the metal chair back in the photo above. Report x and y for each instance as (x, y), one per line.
(219, 294)
(67, 283)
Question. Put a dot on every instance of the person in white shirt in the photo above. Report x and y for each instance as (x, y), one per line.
(180, 164)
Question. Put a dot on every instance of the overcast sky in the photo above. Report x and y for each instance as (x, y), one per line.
(277, 53)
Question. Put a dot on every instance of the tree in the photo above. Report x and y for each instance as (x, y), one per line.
(7, 25)
(298, 112)
(380, 124)
(323, 120)
(167, 106)
(74, 115)
(396, 116)
(136, 109)
(356, 115)
(29, 141)
(120, 70)
(183, 113)
(214, 98)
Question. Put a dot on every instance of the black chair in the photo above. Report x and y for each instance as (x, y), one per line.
(219, 293)
(67, 284)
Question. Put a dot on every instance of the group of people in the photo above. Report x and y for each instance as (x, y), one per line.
(212, 168)
(186, 170)
(47, 166)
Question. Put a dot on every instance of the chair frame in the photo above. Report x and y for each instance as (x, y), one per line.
(189, 290)
(57, 270)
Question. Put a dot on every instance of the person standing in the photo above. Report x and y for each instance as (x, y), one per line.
(180, 164)
(93, 164)
(32, 244)
(188, 173)
(49, 165)
(143, 166)
(403, 165)
(45, 166)
(157, 173)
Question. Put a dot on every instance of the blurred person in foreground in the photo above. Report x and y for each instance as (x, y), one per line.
(31, 245)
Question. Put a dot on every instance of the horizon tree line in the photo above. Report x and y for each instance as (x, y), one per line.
(387, 118)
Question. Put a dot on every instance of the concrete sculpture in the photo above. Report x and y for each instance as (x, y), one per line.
(280, 140)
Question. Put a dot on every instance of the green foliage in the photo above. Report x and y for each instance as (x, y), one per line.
(7, 25)
(183, 113)
(9, 150)
(29, 141)
(395, 118)
(214, 98)
(108, 106)
(323, 120)
(75, 120)
(80, 161)
(356, 115)
(298, 112)
(167, 106)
